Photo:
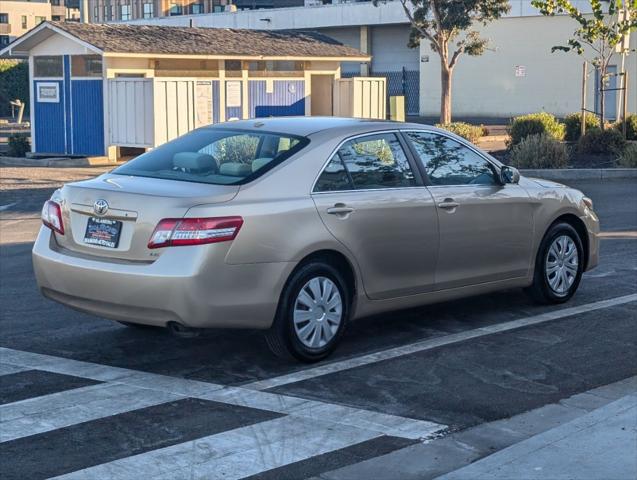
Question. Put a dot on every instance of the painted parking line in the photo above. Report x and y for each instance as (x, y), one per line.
(620, 235)
(331, 414)
(429, 344)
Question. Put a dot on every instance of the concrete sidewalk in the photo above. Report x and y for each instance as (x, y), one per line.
(600, 444)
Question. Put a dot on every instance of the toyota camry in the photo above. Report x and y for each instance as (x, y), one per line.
(298, 226)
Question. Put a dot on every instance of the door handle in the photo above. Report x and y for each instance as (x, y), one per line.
(448, 204)
(340, 209)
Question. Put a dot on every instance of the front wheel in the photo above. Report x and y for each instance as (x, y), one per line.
(558, 266)
(312, 314)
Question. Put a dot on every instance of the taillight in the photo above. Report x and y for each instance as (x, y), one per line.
(173, 232)
(52, 216)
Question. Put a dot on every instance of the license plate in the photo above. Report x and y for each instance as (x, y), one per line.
(103, 232)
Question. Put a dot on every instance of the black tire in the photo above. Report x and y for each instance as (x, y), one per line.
(282, 338)
(540, 290)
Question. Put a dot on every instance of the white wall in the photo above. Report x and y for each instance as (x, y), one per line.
(486, 86)
(389, 49)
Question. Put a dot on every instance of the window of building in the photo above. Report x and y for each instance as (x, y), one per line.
(55, 3)
(4, 18)
(4, 39)
(280, 68)
(23, 21)
(175, 9)
(149, 10)
(86, 66)
(107, 13)
(124, 12)
(196, 8)
(448, 162)
(370, 162)
(96, 13)
(233, 68)
(39, 20)
(48, 66)
(56, 18)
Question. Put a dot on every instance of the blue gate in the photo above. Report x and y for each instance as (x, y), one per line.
(87, 118)
(49, 128)
(69, 115)
(287, 98)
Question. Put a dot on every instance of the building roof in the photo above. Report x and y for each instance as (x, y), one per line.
(223, 42)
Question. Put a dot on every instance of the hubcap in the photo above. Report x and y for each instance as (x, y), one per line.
(318, 312)
(561, 264)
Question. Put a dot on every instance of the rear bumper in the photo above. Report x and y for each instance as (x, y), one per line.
(190, 285)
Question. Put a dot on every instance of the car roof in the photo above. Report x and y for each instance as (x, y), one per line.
(306, 126)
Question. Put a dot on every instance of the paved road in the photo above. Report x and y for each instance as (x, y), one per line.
(82, 394)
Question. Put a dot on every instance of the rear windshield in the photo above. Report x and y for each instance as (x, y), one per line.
(220, 157)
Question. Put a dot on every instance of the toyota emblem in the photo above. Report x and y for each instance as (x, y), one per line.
(100, 207)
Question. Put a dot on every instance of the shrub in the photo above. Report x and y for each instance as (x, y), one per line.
(572, 124)
(535, 124)
(464, 130)
(605, 141)
(539, 151)
(631, 127)
(628, 158)
(14, 83)
(19, 145)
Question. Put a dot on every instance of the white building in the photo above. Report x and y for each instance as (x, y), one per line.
(518, 75)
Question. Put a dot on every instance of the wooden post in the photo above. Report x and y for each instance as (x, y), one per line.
(625, 102)
(583, 115)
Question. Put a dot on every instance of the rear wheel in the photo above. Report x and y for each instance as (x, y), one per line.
(558, 266)
(312, 314)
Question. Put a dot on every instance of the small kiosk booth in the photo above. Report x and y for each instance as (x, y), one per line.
(102, 90)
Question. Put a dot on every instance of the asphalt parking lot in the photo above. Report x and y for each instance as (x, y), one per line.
(83, 397)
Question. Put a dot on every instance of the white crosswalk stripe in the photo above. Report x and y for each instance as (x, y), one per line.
(233, 454)
(57, 410)
(378, 423)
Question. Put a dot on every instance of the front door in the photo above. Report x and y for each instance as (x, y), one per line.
(370, 199)
(485, 227)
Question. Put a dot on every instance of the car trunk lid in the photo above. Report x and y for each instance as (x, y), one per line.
(139, 203)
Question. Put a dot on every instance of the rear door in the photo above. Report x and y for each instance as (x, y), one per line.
(485, 227)
(372, 200)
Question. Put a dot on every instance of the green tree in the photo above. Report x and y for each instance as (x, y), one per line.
(598, 33)
(448, 26)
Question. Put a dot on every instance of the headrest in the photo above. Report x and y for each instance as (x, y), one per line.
(260, 162)
(195, 161)
(235, 169)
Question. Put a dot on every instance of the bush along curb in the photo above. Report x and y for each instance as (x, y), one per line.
(580, 173)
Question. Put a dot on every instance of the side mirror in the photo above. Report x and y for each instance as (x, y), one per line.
(509, 175)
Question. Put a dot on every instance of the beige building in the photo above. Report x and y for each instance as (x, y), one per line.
(519, 74)
(18, 16)
(100, 11)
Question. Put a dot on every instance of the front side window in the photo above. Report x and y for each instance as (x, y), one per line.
(219, 157)
(448, 162)
(49, 66)
(149, 10)
(376, 161)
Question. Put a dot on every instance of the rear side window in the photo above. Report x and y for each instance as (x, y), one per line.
(220, 157)
(370, 162)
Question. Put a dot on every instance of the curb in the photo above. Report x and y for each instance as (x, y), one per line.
(61, 162)
(580, 173)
